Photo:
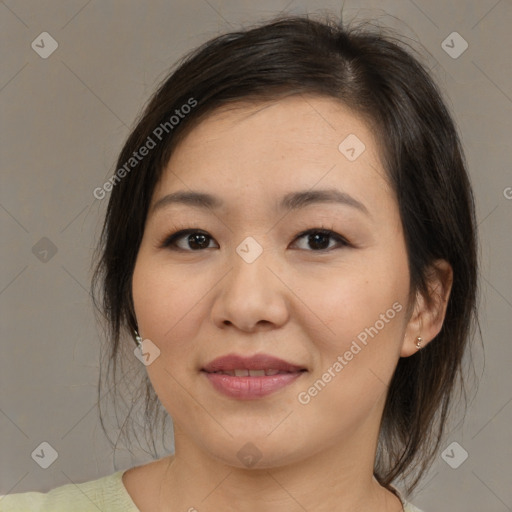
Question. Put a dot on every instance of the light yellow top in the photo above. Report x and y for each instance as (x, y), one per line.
(106, 494)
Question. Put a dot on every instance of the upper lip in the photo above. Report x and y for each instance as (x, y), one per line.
(256, 362)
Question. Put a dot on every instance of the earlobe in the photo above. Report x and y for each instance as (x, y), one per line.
(429, 312)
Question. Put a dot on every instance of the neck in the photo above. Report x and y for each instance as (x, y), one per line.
(336, 479)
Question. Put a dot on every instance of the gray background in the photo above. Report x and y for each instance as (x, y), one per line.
(64, 119)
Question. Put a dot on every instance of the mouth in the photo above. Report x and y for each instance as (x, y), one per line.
(250, 373)
(250, 377)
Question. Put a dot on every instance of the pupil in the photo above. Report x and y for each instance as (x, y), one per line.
(198, 240)
(314, 240)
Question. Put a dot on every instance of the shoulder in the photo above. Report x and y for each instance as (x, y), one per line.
(106, 493)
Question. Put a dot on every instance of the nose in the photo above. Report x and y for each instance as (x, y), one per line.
(251, 296)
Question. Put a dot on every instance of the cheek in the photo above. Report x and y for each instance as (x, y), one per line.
(358, 352)
(161, 297)
(171, 305)
(167, 306)
(354, 301)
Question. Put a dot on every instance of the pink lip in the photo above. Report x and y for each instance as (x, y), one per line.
(247, 388)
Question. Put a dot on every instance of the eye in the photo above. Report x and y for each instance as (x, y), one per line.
(319, 240)
(195, 240)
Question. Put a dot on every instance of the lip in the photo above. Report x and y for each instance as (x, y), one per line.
(247, 387)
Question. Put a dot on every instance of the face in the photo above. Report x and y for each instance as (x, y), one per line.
(295, 270)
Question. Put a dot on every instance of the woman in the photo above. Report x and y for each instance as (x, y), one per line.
(290, 239)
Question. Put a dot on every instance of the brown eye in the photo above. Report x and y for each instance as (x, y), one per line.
(319, 239)
(194, 240)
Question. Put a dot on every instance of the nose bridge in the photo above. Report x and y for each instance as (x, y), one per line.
(249, 263)
(250, 275)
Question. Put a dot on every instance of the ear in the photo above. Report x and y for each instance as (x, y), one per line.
(428, 315)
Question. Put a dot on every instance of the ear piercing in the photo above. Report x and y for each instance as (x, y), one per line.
(419, 339)
(138, 339)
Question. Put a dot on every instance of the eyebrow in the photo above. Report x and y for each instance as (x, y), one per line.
(291, 201)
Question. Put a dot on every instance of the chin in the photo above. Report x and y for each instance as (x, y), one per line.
(256, 450)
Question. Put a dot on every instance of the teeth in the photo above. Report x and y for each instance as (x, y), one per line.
(250, 373)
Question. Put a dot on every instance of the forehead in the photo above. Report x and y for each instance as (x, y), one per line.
(270, 148)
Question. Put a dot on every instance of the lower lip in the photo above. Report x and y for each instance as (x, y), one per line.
(247, 388)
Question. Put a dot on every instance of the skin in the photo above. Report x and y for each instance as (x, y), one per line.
(295, 301)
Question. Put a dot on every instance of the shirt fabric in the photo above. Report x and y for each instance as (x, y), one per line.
(107, 494)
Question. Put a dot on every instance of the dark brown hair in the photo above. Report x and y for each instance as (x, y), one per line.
(377, 76)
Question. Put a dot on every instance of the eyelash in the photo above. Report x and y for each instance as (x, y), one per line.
(170, 240)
